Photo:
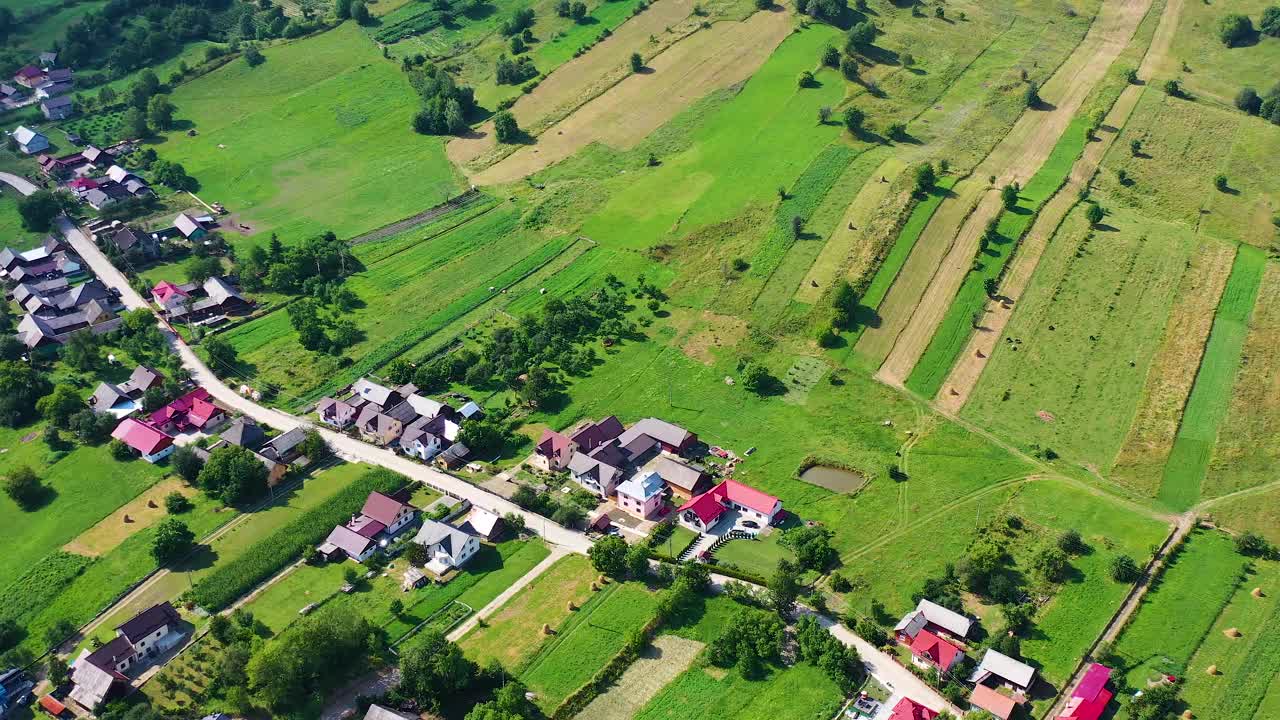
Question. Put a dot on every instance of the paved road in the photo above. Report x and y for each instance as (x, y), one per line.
(21, 184)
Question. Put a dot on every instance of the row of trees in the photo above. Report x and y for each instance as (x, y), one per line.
(1265, 106)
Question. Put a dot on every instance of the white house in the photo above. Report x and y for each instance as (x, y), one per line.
(424, 438)
(448, 547)
(600, 472)
(705, 511)
(392, 513)
(641, 494)
(29, 141)
(148, 634)
(335, 413)
(1000, 669)
(929, 615)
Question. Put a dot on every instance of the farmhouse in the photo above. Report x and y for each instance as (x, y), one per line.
(285, 447)
(908, 709)
(929, 650)
(392, 513)
(998, 669)
(703, 512)
(128, 240)
(189, 227)
(1090, 697)
(379, 520)
(335, 413)
(378, 427)
(641, 495)
(148, 634)
(29, 141)
(686, 481)
(244, 432)
(58, 108)
(600, 471)
(53, 88)
(931, 616)
(553, 451)
(35, 331)
(209, 301)
(671, 438)
(150, 443)
(193, 412)
(454, 457)
(122, 399)
(449, 547)
(29, 76)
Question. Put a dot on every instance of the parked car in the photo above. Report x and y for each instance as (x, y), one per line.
(751, 524)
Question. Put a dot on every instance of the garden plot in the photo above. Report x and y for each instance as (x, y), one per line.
(801, 377)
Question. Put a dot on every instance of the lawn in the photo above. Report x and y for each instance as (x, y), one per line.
(1178, 612)
(513, 634)
(800, 692)
(1211, 394)
(759, 556)
(316, 138)
(587, 641)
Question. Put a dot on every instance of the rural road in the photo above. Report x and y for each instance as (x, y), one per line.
(22, 185)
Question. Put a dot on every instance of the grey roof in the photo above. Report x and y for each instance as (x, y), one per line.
(94, 154)
(659, 430)
(186, 224)
(348, 540)
(96, 198)
(584, 465)
(106, 396)
(245, 433)
(24, 135)
(58, 74)
(377, 712)
(404, 412)
(373, 392)
(949, 620)
(1001, 665)
(420, 429)
(125, 238)
(141, 379)
(281, 445)
(54, 103)
(432, 532)
(220, 291)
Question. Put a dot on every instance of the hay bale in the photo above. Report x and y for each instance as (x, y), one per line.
(546, 629)
(1231, 632)
(151, 504)
(1211, 670)
(1257, 592)
(1186, 715)
(571, 606)
(595, 587)
(602, 579)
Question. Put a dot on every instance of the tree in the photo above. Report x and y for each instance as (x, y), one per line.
(396, 608)
(56, 670)
(186, 463)
(853, 119)
(1220, 182)
(1031, 96)
(23, 486)
(175, 503)
(38, 210)
(568, 515)
(482, 436)
(1072, 543)
(432, 669)
(756, 378)
(316, 654)
(1124, 570)
(637, 562)
(925, 178)
(860, 36)
(134, 124)
(1051, 564)
(831, 57)
(1135, 147)
(1173, 88)
(1253, 544)
(199, 269)
(784, 587)
(160, 112)
(233, 474)
(609, 556)
(824, 114)
(360, 12)
(1155, 703)
(1235, 29)
(222, 355)
(1009, 195)
(1270, 22)
(637, 62)
(850, 68)
(1248, 101)
(342, 8)
(562, 8)
(315, 448)
(173, 539)
(505, 128)
(1094, 214)
(578, 11)
(58, 406)
(20, 387)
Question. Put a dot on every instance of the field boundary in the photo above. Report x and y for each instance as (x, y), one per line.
(395, 228)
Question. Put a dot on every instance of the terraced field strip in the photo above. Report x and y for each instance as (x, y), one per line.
(1173, 372)
(958, 324)
(726, 54)
(579, 80)
(1207, 405)
(914, 309)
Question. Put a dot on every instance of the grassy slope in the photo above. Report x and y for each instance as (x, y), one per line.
(1211, 394)
(15, 236)
(316, 138)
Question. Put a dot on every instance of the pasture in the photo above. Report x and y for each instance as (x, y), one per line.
(18, 237)
(703, 692)
(316, 138)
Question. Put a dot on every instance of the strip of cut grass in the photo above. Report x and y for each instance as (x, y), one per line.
(1211, 394)
(952, 335)
(800, 692)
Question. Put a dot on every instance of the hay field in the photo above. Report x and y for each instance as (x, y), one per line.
(659, 664)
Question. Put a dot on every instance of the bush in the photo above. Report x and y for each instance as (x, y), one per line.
(1235, 29)
(505, 128)
(1270, 23)
(1253, 544)
(1248, 101)
(23, 486)
(175, 503)
(1124, 570)
(229, 581)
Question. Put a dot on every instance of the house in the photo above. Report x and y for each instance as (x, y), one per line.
(29, 76)
(392, 513)
(593, 435)
(141, 380)
(244, 432)
(686, 481)
(377, 712)
(97, 156)
(984, 698)
(932, 616)
(190, 228)
(61, 75)
(670, 438)
(343, 540)
(705, 510)
(81, 185)
(151, 444)
(57, 108)
(471, 411)
(372, 392)
(335, 413)
(641, 495)
(929, 650)
(1090, 697)
(52, 706)
(378, 427)
(285, 447)
(599, 472)
(908, 709)
(553, 451)
(126, 240)
(483, 524)
(45, 332)
(425, 437)
(193, 412)
(167, 295)
(148, 634)
(29, 141)
(448, 547)
(454, 457)
(120, 175)
(108, 398)
(213, 299)
(52, 89)
(48, 58)
(999, 669)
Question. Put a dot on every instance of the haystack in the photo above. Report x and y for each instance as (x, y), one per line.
(1186, 715)
(1211, 670)
(1231, 632)
(1257, 592)
(571, 607)
(546, 629)
(595, 587)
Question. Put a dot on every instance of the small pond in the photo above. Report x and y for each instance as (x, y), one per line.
(834, 479)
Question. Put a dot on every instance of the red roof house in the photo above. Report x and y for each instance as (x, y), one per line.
(83, 184)
(166, 292)
(389, 512)
(705, 510)
(50, 704)
(145, 439)
(984, 698)
(1091, 695)
(908, 709)
(29, 76)
(929, 649)
(193, 411)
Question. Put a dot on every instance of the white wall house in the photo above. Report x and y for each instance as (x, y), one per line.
(641, 494)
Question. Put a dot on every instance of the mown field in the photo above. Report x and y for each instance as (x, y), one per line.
(316, 138)
(15, 236)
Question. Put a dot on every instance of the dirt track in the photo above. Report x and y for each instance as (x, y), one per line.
(964, 376)
(909, 319)
(728, 53)
(584, 77)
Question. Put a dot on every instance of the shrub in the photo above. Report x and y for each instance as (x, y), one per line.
(176, 503)
(1234, 29)
(1124, 570)
(1220, 182)
(23, 486)
(1248, 101)
(1270, 23)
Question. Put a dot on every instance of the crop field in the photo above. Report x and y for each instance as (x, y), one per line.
(1249, 435)
(1069, 371)
(659, 664)
(1177, 614)
(316, 138)
(513, 634)
(1211, 394)
(587, 641)
(1257, 510)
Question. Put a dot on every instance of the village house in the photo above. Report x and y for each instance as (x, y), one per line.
(98, 674)
(193, 412)
(123, 399)
(641, 495)
(671, 439)
(335, 413)
(206, 302)
(36, 332)
(908, 709)
(286, 447)
(984, 698)
(58, 108)
(453, 457)
(377, 712)
(929, 650)
(381, 518)
(190, 228)
(29, 141)
(1000, 670)
(706, 510)
(149, 442)
(448, 547)
(128, 240)
(1090, 697)
(53, 88)
(483, 524)
(931, 616)
(553, 451)
(377, 427)
(29, 76)
(684, 480)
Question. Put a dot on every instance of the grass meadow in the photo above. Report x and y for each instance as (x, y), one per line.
(1211, 394)
(15, 236)
(1211, 70)
(316, 138)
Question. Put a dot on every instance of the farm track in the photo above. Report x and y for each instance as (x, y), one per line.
(910, 319)
(964, 376)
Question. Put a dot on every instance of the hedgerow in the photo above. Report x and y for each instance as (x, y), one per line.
(271, 554)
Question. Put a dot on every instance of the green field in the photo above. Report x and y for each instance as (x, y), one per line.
(316, 138)
(1211, 394)
(15, 236)
(1178, 612)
